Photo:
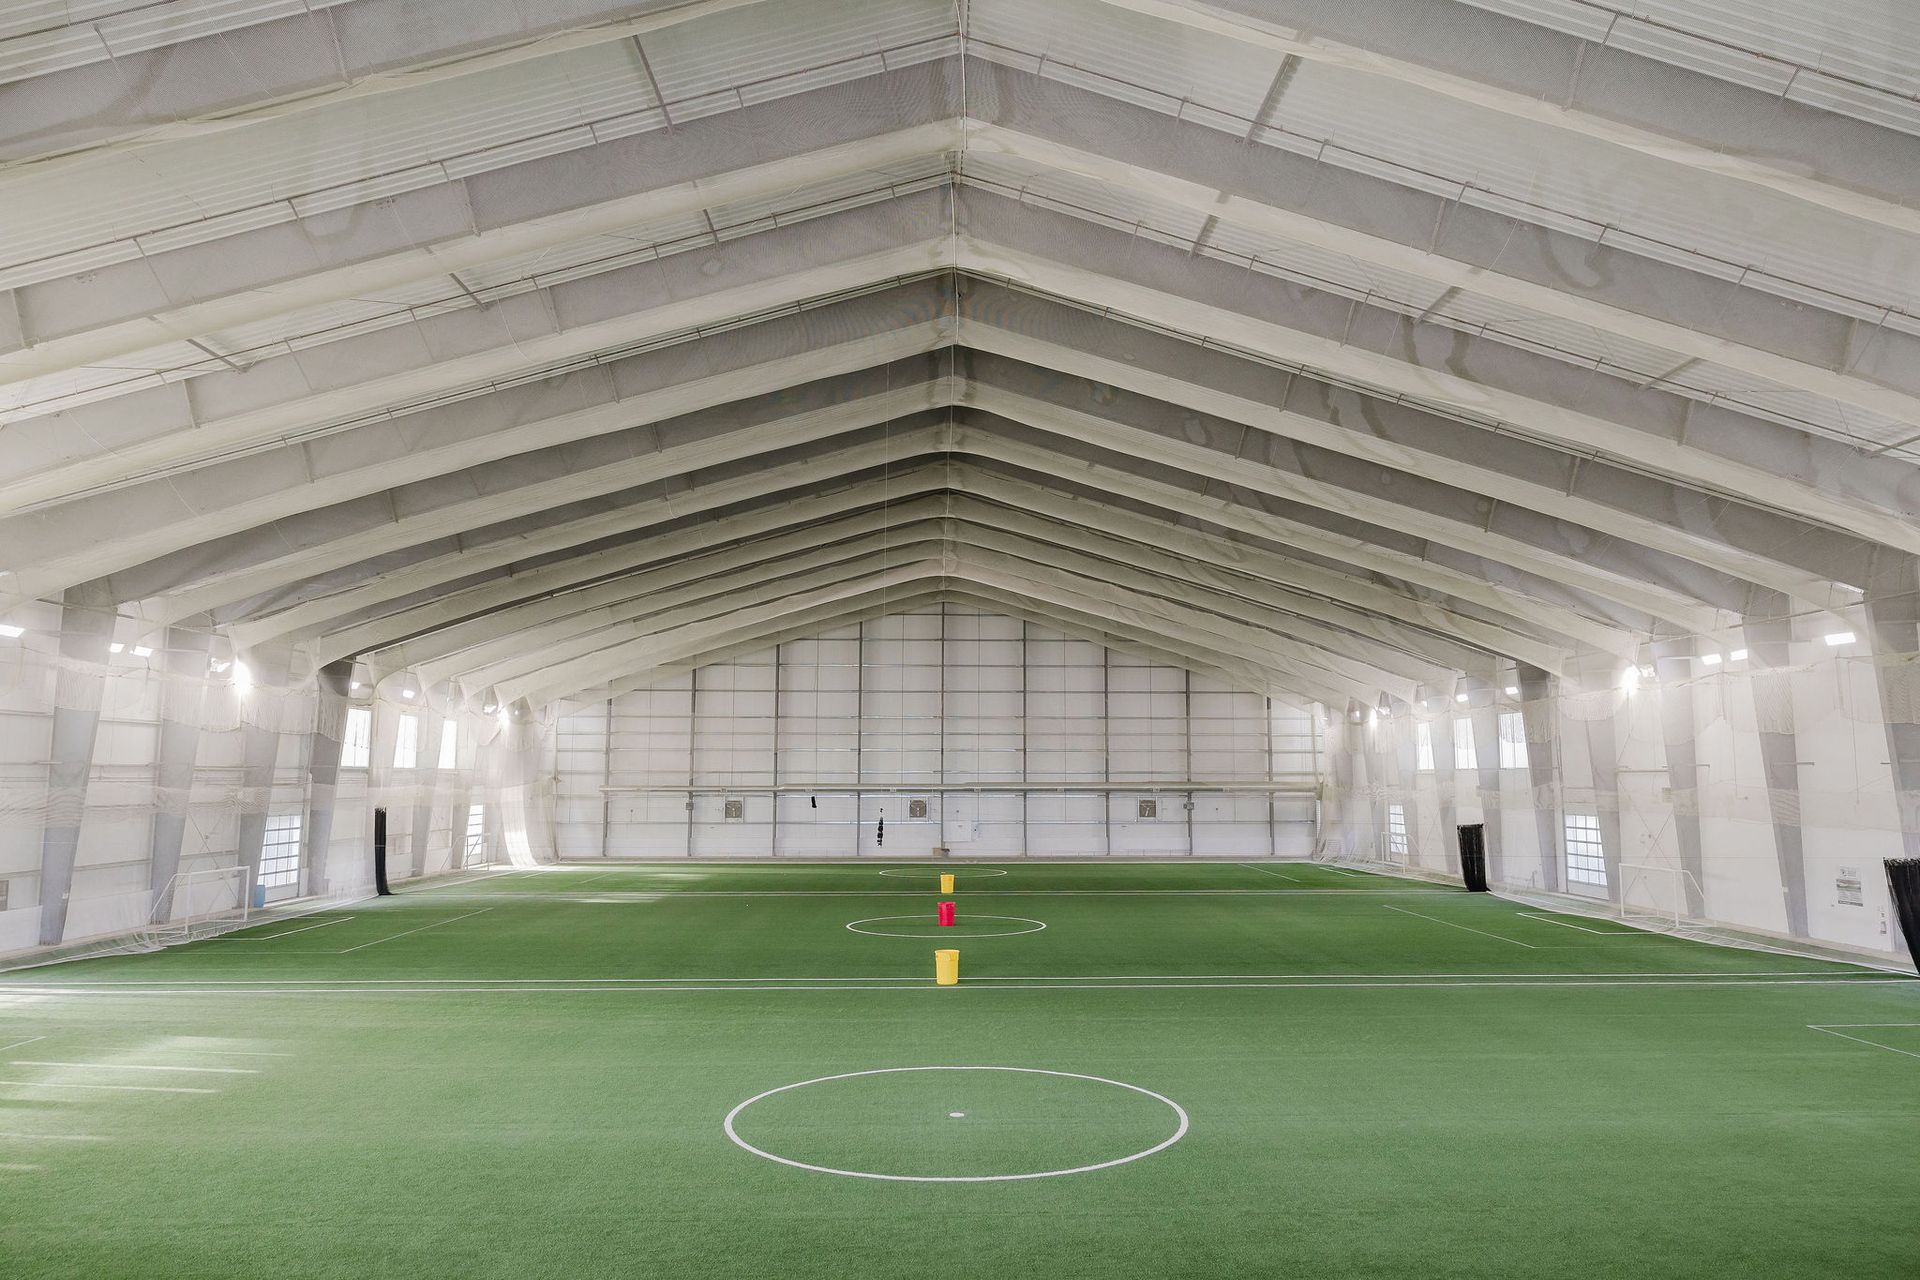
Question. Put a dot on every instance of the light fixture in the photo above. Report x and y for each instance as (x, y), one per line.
(1459, 697)
(1838, 638)
(407, 694)
(1710, 659)
(355, 687)
(142, 651)
(1513, 691)
(1738, 655)
(11, 632)
(217, 666)
(1629, 679)
(116, 648)
(242, 677)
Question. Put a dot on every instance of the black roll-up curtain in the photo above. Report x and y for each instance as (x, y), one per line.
(1903, 878)
(1473, 857)
(380, 852)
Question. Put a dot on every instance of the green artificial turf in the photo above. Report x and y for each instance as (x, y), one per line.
(527, 1075)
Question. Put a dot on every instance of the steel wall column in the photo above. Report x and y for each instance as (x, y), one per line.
(323, 768)
(1767, 635)
(260, 756)
(1673, 666)
(87, 620)
(182, 699)
(1539, 714)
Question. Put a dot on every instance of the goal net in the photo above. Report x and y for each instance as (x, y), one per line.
(199, 904)
(1653, 896)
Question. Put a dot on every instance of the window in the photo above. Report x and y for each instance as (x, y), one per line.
(476, 836)
(450, 746)
(406, 743)
(1585, 862)
(356, 750)
(1513, 740)
(1397, 830)
(1423, 747)
(1464, 756)
(280, 854)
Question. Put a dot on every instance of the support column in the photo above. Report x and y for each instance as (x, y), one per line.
(1540, 713)
(1603, 760)
(260, 712)
(182, 700)
(426, 785)
(1893, 615)
(323, 769)
(1440, 733)
(86, 630)
(1767, 635)
(1486, 758)
(1674, 671)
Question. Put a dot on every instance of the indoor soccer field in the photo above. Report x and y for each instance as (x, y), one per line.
(748, 1070)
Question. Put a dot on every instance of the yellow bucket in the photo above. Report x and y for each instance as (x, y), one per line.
(946, 884)
(946, 968)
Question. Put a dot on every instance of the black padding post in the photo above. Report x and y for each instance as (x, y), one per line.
(1473, 857)
(380, 853)
(1903, 878)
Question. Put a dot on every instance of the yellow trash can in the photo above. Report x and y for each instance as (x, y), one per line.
(946, 968)
(946, 884)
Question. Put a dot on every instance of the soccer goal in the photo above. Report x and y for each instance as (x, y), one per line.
(1654, 896)
(199, 904)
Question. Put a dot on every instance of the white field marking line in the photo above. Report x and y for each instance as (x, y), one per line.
(1467, 928)
(20, 1168)
(1262, 870)
(21, 1044)
(927, 984)
(118, 1088)
(957, 937)
(1598, 933)
(422, 929)
(51, 1137)
(286, 933)
(1179, 1132)
(1829, 1029)
(939, 870)
(655, 895)
(84, 983)
(135, 1066)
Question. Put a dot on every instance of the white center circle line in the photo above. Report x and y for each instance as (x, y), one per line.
(952, 869)
(1179, 1132)
(947, 931)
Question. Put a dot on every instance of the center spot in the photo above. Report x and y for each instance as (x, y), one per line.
(956, 1114)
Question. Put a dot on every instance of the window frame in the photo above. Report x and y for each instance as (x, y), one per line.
(406, 742)
(280, 859)
(1584, 852)
(1466, 756)
(356, 750)
(1514, 753)
(1397, 843)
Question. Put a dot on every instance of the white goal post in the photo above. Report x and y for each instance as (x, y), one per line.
(1653, 895)
(199, 904)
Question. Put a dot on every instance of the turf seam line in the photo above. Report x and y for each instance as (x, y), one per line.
(285, 933)
(118, 1088)
(1829, 1029)
(1263, 871)
(1468, 928)
(422, 929)
(135, 1066)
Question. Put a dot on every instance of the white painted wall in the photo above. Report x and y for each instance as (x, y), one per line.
(856, 724)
